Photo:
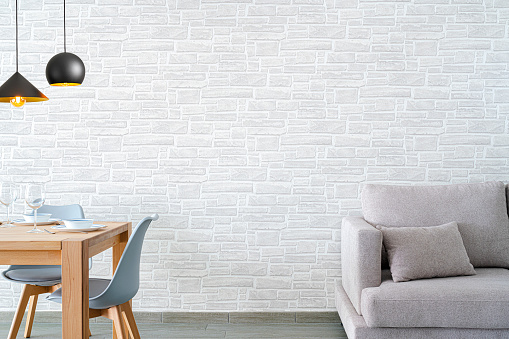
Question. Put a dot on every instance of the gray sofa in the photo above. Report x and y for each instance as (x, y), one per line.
(372, 306)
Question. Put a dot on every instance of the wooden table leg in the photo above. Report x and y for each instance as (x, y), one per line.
(75, 288)
(117, 254)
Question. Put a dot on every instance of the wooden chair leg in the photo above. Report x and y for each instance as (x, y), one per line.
(31, 314)
(130, 321)
(129, 331)
(118, 320)
(20, 311)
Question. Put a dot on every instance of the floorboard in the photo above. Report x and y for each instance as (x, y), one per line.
(173, 331)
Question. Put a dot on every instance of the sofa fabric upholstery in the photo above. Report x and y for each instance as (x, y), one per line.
(410, 257)
(479, 209)
(478, 301)
(356, 328)
(360, 258)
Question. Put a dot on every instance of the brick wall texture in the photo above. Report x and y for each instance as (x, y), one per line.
(251, 127)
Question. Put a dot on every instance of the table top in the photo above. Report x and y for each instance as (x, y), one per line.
(17, 238)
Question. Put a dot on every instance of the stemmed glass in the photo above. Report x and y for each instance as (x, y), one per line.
(35, 197)
(8, 193)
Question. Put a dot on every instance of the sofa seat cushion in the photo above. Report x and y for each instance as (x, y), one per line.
(478, 301)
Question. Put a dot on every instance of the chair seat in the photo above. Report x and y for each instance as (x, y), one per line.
(478, 301)
(95, 287)
(41, 275)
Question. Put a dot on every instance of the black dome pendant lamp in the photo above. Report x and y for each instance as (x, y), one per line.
(65, 69)
(17, 90)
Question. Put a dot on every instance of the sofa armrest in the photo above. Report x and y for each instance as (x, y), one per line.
(361, 256)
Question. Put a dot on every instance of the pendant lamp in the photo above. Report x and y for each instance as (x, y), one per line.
(17, 90)
(65, 69)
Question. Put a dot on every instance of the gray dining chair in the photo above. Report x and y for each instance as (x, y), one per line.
(110, 297)
(38, 279)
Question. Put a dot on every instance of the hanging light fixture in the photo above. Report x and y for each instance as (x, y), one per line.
(65, 69)
(17, 90)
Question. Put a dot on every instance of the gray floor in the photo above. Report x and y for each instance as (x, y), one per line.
(160, 331)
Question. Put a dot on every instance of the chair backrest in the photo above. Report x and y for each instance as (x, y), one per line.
(63, 212)
(126, 281)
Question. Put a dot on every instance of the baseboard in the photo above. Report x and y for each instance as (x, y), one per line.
(201, 317)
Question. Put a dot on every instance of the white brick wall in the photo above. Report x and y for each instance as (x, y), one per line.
(250, 126)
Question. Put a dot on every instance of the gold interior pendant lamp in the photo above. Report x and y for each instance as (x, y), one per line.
(17, 89)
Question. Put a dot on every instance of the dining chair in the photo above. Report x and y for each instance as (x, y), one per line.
(110, 298)
(38, 279)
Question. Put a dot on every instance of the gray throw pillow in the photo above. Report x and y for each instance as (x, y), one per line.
(426, 252)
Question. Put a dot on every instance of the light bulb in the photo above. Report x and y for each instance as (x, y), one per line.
(18, 101)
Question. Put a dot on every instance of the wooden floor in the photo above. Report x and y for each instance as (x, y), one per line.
(160, 331)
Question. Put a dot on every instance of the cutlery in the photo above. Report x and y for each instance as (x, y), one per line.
(49, 231)
(75, 231)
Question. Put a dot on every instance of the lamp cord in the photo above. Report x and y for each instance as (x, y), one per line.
(65, 50)
(16, 36)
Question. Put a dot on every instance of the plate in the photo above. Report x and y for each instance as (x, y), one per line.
(62, 228)
(22, 222)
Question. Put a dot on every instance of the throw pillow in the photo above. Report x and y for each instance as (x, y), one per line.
(426, 252)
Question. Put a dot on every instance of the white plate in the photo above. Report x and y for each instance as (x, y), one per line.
(92, 228)
(22, 222)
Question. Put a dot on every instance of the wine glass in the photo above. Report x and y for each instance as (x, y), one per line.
(8, 193)
(35, 197)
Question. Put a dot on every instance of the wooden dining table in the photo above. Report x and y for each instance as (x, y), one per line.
(71, 250)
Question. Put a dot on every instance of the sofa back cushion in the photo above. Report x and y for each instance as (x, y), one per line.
(479, 209)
